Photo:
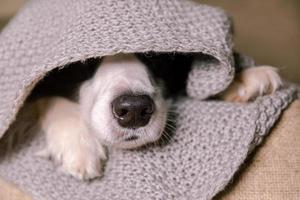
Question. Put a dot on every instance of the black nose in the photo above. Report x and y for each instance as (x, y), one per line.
(133, 111)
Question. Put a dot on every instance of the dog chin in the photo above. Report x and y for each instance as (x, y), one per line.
(132, 144)
(134, 140)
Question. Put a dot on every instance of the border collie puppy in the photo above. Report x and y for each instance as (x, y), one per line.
(123, 105)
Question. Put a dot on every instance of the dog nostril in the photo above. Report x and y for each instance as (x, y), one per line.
(147, 111)
(133, 111)
(121, 112)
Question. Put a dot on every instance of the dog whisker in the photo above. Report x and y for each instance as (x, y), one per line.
(167, 138)
(170, 126)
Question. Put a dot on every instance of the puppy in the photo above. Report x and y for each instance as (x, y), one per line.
(122, 106)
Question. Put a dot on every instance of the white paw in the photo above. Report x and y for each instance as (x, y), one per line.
(81, 162)
(82, 165)
(69, 143)
(253, 82)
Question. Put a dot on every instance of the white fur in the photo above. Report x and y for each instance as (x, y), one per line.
(118, 75)
(76, 133)
(253, 82)
(69, 142)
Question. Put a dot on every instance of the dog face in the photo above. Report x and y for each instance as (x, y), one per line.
(122, 104)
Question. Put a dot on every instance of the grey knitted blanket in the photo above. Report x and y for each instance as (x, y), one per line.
(212, 138)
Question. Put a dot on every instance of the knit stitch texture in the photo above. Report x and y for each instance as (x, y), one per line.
(212, 138)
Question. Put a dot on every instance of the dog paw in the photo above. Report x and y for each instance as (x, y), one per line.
(251, 83)
(73, 149)
(81, 163)
(82, 166)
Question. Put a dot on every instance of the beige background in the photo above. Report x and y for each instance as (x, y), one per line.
(268, 30)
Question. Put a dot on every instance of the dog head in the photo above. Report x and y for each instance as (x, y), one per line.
(122, 104)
